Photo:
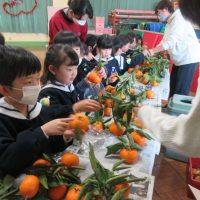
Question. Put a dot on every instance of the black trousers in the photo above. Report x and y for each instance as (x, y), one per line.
(181, 78)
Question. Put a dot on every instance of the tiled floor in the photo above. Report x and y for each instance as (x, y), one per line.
(170, 179)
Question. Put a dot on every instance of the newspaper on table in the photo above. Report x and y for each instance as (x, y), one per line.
(101, 141)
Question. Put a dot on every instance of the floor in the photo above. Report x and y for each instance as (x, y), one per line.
(170, 175)
(170, 179)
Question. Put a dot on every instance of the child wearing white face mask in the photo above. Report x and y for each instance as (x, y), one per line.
(27, 129)
(74, 19)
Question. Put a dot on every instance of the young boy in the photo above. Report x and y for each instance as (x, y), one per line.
(27, 130)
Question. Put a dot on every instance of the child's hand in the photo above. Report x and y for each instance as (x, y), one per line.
(90, 56)
(56, 127)
(145, 52)
(87, 105)
(69, 134)
(102, 73)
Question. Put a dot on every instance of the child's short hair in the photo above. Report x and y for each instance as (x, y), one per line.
(67, 37)
(131, 37)
(2, 39)
(124, 39)
(81, 8)
(91, 40)
(116, 45)
(16, 62)
(105, 42)
(139, 37)
(56, 55)
(84, 49)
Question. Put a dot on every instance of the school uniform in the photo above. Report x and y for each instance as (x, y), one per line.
(59, 93)
(129, 53)
(84, 68)
(22, 140)
(132, 62)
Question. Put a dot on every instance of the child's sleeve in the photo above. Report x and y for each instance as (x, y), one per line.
(136, 60)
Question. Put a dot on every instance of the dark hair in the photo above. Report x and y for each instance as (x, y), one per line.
(190, 10)
(91, 40)
(84, 49)
(67, 37)
(139, 37)
(131, 36)
(104, 42)
(124, 39)
(56, 55)
(2, 39)
(16, 62)
(81, 7)
(116, 45)
(164, 4)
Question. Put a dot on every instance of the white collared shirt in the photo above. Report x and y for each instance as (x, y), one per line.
(180, 40)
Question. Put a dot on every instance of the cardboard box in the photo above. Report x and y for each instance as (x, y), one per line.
(99, 30)
(107, 31)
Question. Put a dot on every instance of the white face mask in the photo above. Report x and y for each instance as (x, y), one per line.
(30, 94)
(81, 22)
(162, 18)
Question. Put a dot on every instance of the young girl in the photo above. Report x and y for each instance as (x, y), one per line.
(80, 82)
(104, 50)
(60, 70)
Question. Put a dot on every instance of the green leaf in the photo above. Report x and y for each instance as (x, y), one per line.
(133, 145)
(121, 168)
(119, 194)
(117, 179)
(142, 133)
(44, 182)
(117, 164)
(112, 149)
(88, 196)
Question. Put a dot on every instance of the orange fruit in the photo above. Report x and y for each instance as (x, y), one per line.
(122, 186)
(154, 83)
(42, 162)
(57, 193)
(98, 126)
(138, 122)
(145, 81)
(113, 91)
(109, 103)
(150, 94)
(73, 193)
(70, 159)
(138, 74)
(130, 70)
(109, 88)
(115, 130)
(94, 77)
(138, 138)
(130, 156)
(123, 96)
(29, 186)
(80, 122)
(132, 91)
(107, 112)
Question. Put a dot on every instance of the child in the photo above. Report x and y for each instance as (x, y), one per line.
(73, 18)
(139, 41)
(132, 41)
(91, 42)
(60, 70)
(133, 61)
(104, 50)
(2, 39)
(27, 129)
(80, 82)
(117, 51)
